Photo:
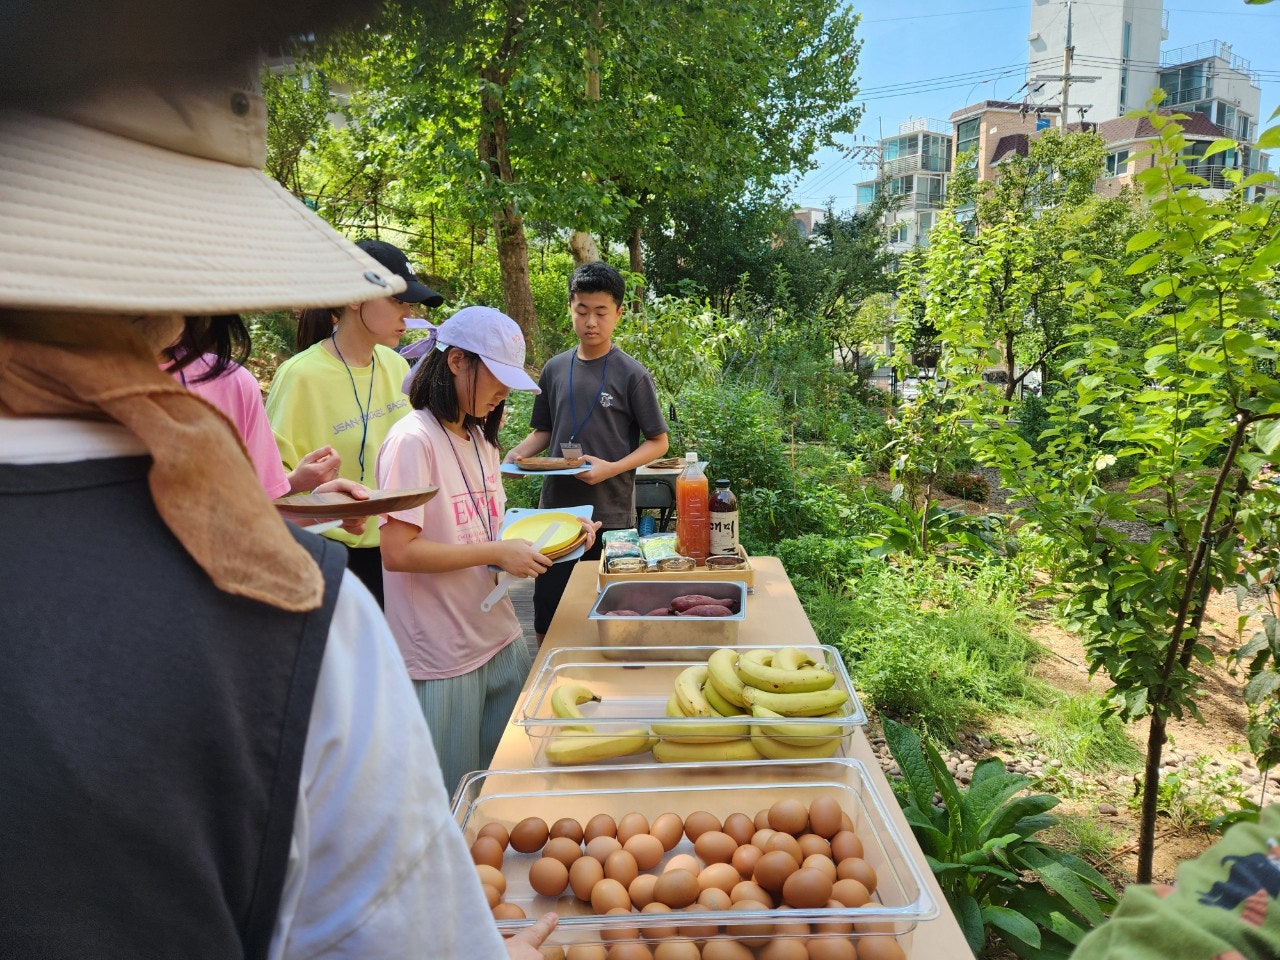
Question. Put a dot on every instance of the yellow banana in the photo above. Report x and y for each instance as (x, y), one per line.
(793, 658)
(718, 703)
(566, 698)
(722, 676)
(796, 734)
(772, 749)
(689, 692)
(764, 676)
(740, 749)
(571, 748)
(812, 703)
(673, 707)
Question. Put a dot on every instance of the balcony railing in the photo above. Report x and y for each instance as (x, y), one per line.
(916, 163)
(1215, 175)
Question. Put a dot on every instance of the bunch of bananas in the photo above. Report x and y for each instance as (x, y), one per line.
(766, 684)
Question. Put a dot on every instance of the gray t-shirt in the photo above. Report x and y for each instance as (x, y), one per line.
(614, 402)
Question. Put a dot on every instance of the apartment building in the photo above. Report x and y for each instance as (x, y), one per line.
(914, 167)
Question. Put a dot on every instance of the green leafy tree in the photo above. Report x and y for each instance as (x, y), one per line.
(1175, 384)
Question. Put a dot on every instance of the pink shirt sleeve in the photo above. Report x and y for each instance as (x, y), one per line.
(237, 394)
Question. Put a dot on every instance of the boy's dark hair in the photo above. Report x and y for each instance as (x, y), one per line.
(225, 337)
(598, 277)
(432, 390)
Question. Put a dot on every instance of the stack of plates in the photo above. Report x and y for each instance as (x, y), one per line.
(567, 533)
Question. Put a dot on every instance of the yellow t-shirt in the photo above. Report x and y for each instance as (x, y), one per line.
(317, 400)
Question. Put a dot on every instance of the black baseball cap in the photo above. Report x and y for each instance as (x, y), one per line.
(394, 259)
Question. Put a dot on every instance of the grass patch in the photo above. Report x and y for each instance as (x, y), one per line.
(1087, 837)
(1069, 727)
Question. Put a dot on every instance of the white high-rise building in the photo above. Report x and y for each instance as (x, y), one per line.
(1116, 43)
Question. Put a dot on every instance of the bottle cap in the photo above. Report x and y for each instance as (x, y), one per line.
(722, 483)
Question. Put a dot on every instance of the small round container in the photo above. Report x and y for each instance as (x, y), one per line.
(626, 565)
(725, 561)
(675, 564)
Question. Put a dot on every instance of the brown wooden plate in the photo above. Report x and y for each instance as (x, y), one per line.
(339, 506)
(549, 463)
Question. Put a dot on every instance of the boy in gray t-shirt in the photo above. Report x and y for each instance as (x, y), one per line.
(603, 400)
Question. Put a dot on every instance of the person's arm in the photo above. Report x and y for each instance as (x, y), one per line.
(530, 446)
(373, 837)
(317, 467)
(405, 551)
(602, 469)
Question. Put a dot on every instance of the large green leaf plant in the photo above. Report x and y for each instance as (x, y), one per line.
(999, 878)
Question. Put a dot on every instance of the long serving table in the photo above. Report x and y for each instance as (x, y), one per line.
(774, 614)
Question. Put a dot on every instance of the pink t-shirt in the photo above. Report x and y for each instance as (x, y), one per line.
(436, 617)
(237, 394)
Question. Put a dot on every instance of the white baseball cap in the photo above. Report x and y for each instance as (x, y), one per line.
(495, 338)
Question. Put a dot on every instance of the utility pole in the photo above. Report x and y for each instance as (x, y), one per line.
(1067, 52)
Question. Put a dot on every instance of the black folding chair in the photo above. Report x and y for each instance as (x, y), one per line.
(655, 494)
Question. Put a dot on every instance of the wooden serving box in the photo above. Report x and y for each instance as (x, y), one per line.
(743, 575)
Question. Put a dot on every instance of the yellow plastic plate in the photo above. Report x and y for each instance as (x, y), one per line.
(568, 529)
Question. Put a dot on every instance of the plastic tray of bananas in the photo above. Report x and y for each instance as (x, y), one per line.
(668, 613)
(732, 704)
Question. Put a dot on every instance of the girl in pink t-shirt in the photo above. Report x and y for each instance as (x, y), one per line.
(467, 666)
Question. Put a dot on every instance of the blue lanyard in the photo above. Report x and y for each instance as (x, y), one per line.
(367, 408)
(573, 414)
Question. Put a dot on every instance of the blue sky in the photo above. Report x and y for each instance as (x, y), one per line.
(928, 58)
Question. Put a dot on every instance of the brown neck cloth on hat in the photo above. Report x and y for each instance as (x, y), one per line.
(201, 478)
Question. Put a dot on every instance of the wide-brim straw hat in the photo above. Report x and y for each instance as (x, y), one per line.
(149, 198)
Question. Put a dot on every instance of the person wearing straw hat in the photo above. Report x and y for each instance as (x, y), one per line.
(210, 745)
(467, 666)
(344, 390)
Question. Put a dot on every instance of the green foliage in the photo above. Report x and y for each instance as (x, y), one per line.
(1000, 879)
(815, 562)
(1194, 796)
(738, 430)
(521, 491)
(1070, 728)
(966, 486)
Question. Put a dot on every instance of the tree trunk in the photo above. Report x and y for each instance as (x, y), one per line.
(583, 247)
(1010, 386)
(508, 224)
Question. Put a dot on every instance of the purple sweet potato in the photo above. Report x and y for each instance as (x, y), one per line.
(658, 612)
(681, 604)
(706, 610)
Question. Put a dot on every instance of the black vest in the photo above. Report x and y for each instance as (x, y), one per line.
(151, 728)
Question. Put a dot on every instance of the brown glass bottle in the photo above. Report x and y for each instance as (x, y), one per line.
(723, 507)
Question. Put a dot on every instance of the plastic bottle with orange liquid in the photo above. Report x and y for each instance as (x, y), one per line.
(693, 521)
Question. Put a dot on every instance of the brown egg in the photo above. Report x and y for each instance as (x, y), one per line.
(773, 869)
(613, 934)
(668, 828)
(761, 819)
(552, 952)
(725, 950)
(508, 911)
(677, 950)
(630, 825)
(713, 898)
(845, 822)
(487, 850)
(719, 875)
(807, 888)
(811, 843)
(640, 890)
(844, 845)
(745, 859)
(840, 927)
(529, 835)
(751, 935)
(621, 866)
(566, 827)
(492, 876)
(698, 823)
(786, 843)
(859, 870)
(601, 825)
(564, 849)
(646, 848)
(497, 831)
(657, 931)
(750, 890)
(715, 846)
(740, 827)
(692, 926)
(629, 951)
(585, 873)
(818, 862)
(601, 847)
(683, 861)
(607, 894)
(790, 816)
(491, 893)
(762, 836)
(677, 888)
(850, 892)
(784, 948)
(585, 951)
(834, 948)
(824, 816)
(548, 876)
